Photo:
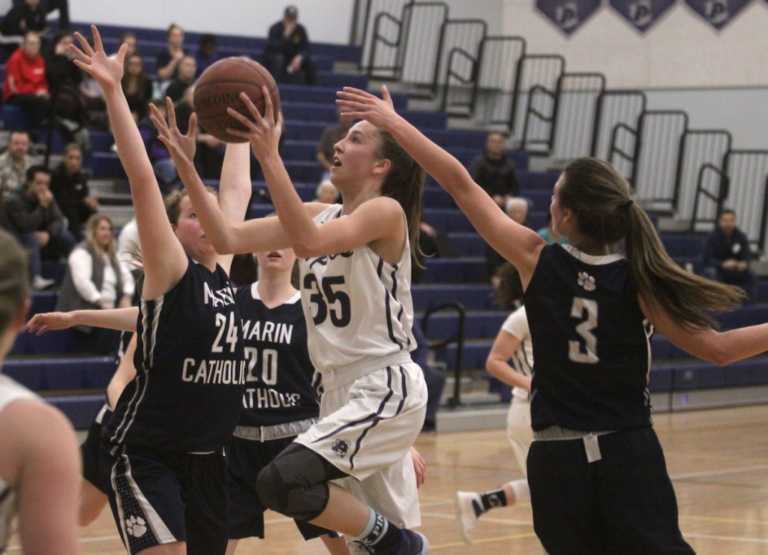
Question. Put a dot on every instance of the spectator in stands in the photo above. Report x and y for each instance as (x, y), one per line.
(162, 163)
(327, 193)
(286, 54)
(328, 139)
(14, 163)
(494, 172)
(434, 377)
(95, 279)
(727, 253)
(35, 219)
(69, 186)
(59, 69)
(25, 83)
(206, 52)
(129, 39)
(68, 108)
(517, 209)
(185, 77)
(209, 155)
(170, 57)
(137, 86)
(50, 6)
(24, 17)
(129, 250)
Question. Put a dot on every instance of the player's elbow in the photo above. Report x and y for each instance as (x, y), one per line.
(717, 351)
(491, 364)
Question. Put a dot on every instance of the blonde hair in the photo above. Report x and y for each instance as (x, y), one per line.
(90, 233)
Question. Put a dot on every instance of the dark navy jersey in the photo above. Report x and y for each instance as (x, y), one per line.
(279, 384)
(591, 343)
(190, 368)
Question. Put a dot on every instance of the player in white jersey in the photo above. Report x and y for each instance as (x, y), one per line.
(39, 464)
(511, 362)
(355, 285)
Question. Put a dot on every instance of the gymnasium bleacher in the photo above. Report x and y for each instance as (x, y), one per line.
(75, 383)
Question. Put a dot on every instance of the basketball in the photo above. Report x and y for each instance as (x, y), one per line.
(219, 87)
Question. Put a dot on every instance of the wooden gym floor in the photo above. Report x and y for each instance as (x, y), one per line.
(718, 460)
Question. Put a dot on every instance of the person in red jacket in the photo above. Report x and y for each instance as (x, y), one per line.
(25, 83)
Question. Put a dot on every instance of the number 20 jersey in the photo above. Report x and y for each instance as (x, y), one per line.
(357, 305)
(591, 343)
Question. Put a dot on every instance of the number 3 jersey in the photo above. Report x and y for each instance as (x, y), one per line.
(357, 305)
(190, 369)
(278, 386)
(591, 343)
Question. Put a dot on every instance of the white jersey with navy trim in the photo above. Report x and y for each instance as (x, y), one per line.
(516, 325)
(357, 305)
(9, 391)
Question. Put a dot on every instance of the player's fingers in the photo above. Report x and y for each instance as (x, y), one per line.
(121, 53)
(251, 107)
(79, 54)
(386, 96)
(84, 44)
(239, 133)
(171, 112)
(353, 97)
(192, 125)
(85, 66)
(97, 42)
(156, 116)
(358, 92)
(248, 123)
(269, 108)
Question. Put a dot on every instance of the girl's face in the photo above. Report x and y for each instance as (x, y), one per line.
(191, 235)
(276, 262)
(103, 234)
(355, 156)
(135, 65)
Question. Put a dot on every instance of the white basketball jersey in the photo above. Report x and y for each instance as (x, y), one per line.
(9, 391)
(516, 324)
(357, 305)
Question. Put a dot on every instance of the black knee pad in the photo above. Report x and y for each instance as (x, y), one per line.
(295, 483)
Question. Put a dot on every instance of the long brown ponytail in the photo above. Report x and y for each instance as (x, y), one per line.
(405, 184)
(605, 212)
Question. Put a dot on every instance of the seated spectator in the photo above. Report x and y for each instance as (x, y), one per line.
(137, 86)
(129, 250)
(36, 220)
(161, 160)
(517, 209)
(25, 83)
(206, 52)
(129, 39)
(209, 155)
(185, 77)
(93, 100)
(50, 6)
(169, 58)
(14, 163)
(24, 17)
(69, 186)
(69, 111)
(327, 193)
(330, 136)
(95, 279)
(727, 253)
(286, 54)
(494, 172)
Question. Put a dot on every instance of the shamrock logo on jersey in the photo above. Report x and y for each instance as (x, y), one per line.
(340, 447)
(586, 281)
(135, 526)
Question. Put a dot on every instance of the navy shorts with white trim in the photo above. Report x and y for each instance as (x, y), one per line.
(161, 498)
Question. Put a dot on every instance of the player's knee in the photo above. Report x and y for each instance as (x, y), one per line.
(272, 488)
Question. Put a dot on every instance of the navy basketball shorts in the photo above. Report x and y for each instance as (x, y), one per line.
(97, 460)
(623, 502)
(160, 498)
(245, 459)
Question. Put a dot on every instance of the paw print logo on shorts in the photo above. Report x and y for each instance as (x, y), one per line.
(135, 526)
(340, 447)
(586, 281)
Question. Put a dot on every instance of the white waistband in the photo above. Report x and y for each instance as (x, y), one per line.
(340, 376)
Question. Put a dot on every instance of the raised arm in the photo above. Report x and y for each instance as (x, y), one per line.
(718, 347)
(164, 259)
(235, 188)
(377, 219)
(518, 244)
(120, 319)
(228, 235)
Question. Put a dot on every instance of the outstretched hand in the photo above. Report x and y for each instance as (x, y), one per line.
(106, 70)
(262, 131)
(181, 146)
(359, 104)
(50, 321)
